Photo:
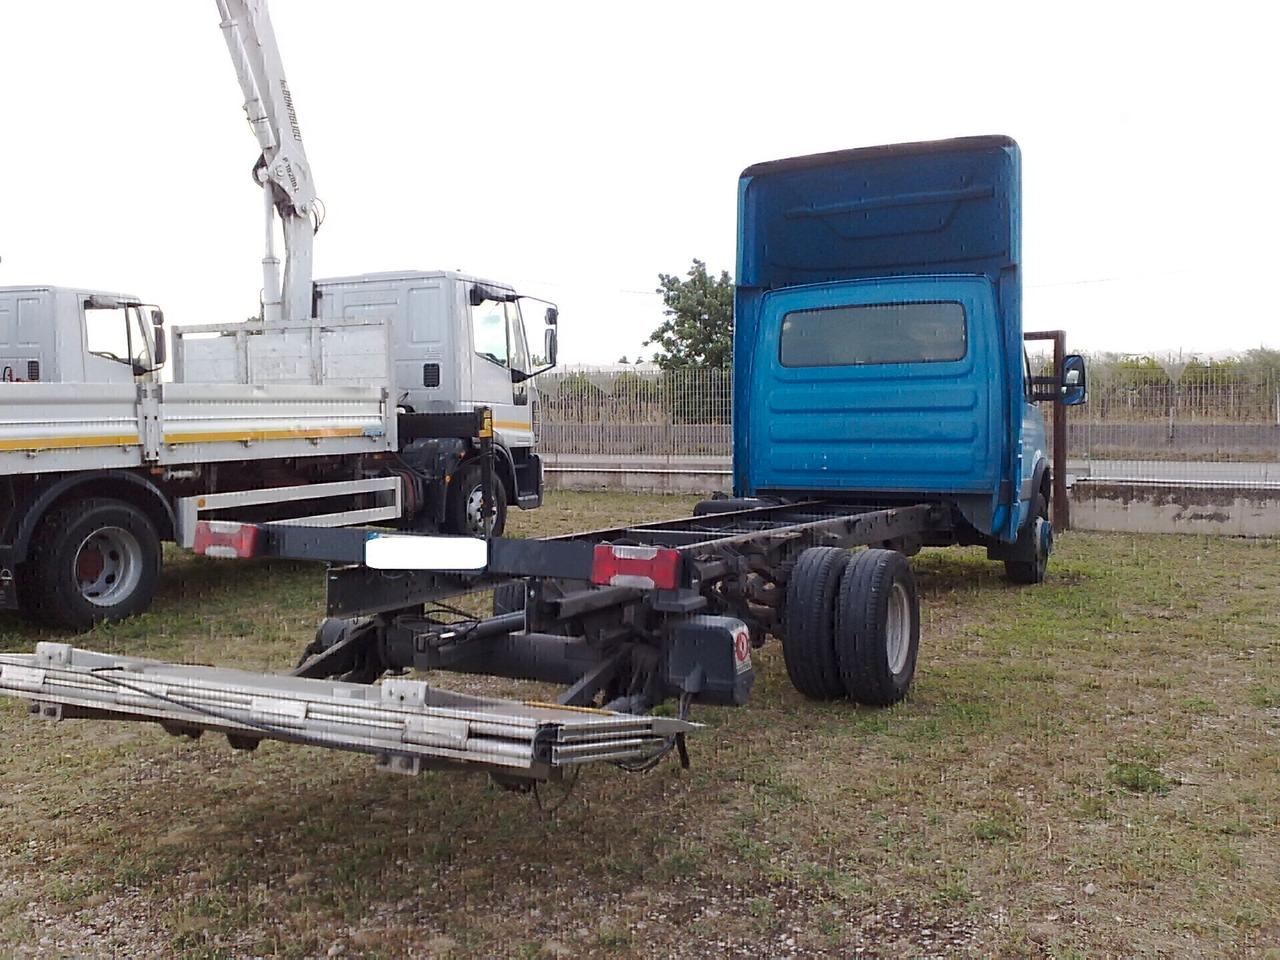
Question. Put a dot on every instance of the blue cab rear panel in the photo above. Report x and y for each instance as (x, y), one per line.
(878, 333)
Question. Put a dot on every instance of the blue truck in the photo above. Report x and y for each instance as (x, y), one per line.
(883, 401)
(878, 344)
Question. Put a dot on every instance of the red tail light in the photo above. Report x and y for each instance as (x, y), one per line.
(224, 538)
(646, 567)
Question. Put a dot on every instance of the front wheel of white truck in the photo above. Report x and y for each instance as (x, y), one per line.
(464, 502)
(91, 561)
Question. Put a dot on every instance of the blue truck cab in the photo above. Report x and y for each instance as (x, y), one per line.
(878, 342)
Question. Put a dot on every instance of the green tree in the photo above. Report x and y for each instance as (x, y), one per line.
(698, 329)
(633, 388)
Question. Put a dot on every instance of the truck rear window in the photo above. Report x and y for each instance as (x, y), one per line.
(873, 333)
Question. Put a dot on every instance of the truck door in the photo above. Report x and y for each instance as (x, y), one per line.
(499, 348)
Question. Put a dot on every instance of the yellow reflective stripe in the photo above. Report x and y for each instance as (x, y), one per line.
(512, 425)
(55, 443)
(214, 436)
(544, 705)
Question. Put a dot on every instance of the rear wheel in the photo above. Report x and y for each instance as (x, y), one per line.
(92, 561)
(809, 622)
(877, 629)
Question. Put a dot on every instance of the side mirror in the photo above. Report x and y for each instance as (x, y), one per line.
(157, 317)
(549, 345)
(162, 343)
(1075, 382)
(553, 316)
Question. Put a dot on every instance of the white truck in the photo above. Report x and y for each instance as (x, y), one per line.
(362, 399)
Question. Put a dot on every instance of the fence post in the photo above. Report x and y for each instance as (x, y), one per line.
(1061, 513)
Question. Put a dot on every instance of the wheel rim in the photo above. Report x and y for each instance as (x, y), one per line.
(476, 524)
(898, 629)
(108, 566)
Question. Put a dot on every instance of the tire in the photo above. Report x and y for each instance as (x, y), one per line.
(462, 504)
(92, 561)
(808, 634)
(877, 633)
(1037, 538)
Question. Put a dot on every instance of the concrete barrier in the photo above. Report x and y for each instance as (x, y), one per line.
(636, 481)
(1146, 507)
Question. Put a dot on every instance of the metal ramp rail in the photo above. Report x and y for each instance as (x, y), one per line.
(405, 724)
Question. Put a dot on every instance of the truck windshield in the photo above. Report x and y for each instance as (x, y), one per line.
(873, 333)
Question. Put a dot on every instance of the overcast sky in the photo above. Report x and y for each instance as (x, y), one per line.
(577, 150)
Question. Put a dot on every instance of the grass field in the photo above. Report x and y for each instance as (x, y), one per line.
(1086, 768)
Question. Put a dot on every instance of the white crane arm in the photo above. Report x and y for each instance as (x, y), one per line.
(282, 170)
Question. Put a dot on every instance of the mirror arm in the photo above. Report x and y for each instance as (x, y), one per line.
(549, 366)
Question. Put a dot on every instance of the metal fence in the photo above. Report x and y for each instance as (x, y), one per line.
(649, 414)
(1180, 419)
(1148, 417)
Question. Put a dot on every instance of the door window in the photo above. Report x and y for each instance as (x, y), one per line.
(107, 333)
(489, 331)
(515, 326)
(519, 351)
(139, 340)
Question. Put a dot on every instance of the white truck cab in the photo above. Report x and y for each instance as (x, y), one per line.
(458, 342)
(66, 335)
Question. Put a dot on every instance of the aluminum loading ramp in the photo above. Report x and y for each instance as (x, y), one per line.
(406, 724)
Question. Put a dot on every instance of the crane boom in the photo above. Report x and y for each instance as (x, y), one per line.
(282, 170)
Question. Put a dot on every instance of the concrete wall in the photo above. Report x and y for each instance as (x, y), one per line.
(1135, 507)
(637, 473)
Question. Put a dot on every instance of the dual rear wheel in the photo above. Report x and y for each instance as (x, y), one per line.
(851, 625)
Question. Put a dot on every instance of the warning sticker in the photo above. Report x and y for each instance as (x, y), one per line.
(742, 650)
